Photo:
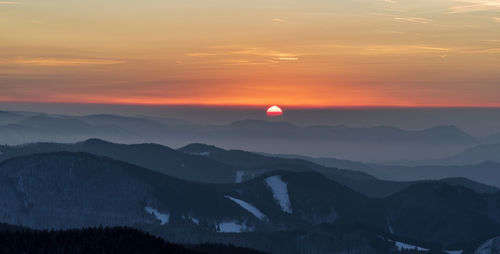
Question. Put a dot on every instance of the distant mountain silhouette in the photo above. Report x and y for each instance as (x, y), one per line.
(141, 127)
(52, 128)
(485, 172)
(473, 155)
(381, 134)
(469, 184)
(382, 143)
(491, 139)
(7, 117)
(331, 162)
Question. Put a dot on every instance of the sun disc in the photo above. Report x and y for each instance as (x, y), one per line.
(274, 111)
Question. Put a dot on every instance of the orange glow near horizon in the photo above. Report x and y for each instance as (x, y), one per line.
(314, 53)
(232, 104)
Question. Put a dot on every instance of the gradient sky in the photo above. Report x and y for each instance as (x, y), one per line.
(260, 52)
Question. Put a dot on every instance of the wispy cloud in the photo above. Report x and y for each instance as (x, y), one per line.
(58, 62)
(413, 20)
(496, 19)
(278, 20)
(8, 3)
(492, 41)
(262, 52)
(200, 54)
(286, 59)
(404, 49)
(257, 54)
(476, 5)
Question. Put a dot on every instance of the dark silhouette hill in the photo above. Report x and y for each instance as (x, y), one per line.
(102, 240)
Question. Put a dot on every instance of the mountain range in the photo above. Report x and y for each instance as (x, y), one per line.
(378, 143)
(486, 171)
(74, 189)
(473, 155)
(210, 164)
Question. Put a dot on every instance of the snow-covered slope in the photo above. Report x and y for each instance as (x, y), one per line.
(491, 246)
(239, 176)
(249, 207)
(280, 192)
(405, 246)
(162, 217)
(231, 227)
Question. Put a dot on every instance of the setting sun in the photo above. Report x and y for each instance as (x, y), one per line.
(274, 111)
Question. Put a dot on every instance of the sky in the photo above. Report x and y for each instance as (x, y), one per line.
(315, 53)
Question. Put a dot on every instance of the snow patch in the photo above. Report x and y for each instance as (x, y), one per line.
(231, 227)
(162, 217)
(239, 176)
(404, 246)
(200, 153)
(280, 192)
(250, 208)
(194, 220)
(489, 247)
(389, 227)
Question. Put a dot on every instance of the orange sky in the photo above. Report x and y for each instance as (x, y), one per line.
(310, 53)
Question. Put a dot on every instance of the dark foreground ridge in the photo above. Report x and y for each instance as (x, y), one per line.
(101, 240)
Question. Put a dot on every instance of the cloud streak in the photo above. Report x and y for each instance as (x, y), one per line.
(251, 55)
(286, 58)
(58, 62)
(414, 20)
(8, 3)
(476, 5)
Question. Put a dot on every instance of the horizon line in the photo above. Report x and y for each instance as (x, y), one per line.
(241, 105)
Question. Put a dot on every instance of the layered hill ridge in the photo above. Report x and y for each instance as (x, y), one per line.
(65, 190)
(482, 169)
(474, 155)
(81, 183)
(378, 143)
(195, 162)
(206, 163)
(157, 157)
